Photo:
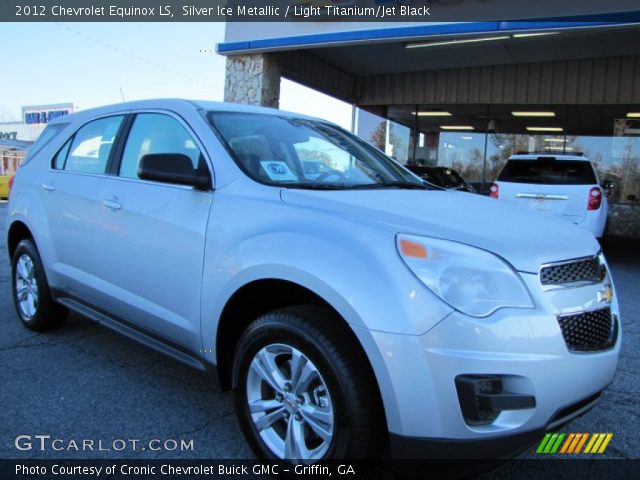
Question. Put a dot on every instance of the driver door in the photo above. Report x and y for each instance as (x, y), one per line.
(151, 236)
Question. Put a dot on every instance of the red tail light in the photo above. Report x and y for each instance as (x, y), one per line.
(494, 191)
(595, 199)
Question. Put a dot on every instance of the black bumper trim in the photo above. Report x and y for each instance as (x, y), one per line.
(503, 447)
(495, 448)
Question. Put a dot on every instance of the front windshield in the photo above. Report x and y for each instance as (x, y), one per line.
(301, 153)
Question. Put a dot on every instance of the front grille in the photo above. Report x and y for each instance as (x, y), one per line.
(589, 331)
(584, 270)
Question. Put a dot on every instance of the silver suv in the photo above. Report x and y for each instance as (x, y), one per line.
(348, 306)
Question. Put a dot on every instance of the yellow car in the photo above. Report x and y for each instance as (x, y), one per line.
(4, 186)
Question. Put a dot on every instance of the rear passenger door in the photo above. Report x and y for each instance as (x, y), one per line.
(70, 192)
(151, 235)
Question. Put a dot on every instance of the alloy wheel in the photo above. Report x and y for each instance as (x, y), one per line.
(26, 286)
(289, 403)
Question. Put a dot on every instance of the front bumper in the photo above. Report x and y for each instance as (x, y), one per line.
(501, 447)
(524, 348)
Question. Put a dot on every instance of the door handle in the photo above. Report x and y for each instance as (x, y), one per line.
(112, 204)
(48, 187)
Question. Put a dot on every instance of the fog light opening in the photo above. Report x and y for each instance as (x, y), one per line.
(482, 398)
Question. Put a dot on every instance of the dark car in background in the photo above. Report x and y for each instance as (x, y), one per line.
(443, 177)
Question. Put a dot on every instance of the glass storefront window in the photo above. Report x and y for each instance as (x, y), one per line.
(371, 128)
(419, 135)
(398, 142)
(463, 152)
(617, 161)
(391, 137)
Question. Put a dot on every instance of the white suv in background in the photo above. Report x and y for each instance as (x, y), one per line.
(562, 185)
(348, 307)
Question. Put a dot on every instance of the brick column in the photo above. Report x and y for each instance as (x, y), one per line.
(253, 80)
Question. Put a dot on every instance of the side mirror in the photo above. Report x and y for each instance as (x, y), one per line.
(172, 168)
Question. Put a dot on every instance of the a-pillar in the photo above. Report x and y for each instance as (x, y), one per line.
(253, 80)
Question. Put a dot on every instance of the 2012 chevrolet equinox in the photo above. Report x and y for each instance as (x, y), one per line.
(348, 306)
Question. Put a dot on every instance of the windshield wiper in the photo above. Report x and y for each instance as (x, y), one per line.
(360, 186)
(315, 186)
(403, 185)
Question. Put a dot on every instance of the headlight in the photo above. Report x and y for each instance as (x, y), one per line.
(471, 280)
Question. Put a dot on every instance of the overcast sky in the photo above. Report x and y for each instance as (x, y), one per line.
(92, 64)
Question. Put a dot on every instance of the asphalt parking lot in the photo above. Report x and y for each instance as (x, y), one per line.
(84, 381)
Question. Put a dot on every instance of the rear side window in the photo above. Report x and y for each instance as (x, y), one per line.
(548, 172)
(90, 147)
(48, 134)
(61, 156)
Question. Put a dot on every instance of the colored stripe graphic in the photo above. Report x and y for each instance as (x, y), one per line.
(572, 443)
(556, 445)
(568, 442)
(592, 441)
(582, 442)
(543, 443)
(598, 443)
(551, 443)
(578, 440)
(596, 446)
(606, 442)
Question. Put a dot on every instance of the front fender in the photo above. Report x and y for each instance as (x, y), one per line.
(361, 277)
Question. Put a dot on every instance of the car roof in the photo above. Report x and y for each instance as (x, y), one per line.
(557, 156)
(176, 104)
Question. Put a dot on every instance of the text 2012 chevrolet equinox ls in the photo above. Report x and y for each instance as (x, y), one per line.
(348, 307)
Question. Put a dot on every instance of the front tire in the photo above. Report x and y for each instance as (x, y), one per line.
(31, 295)
(303, 390)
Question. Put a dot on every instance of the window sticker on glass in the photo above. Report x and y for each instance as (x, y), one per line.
(278, 171)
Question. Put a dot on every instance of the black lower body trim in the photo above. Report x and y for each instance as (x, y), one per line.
(124, 327)
(453, 459)
(495, 448)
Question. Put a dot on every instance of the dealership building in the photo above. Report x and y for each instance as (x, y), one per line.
(16, 135)
(465, 95)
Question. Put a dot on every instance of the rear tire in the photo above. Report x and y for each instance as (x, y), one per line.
(303, 390)
(31, 294)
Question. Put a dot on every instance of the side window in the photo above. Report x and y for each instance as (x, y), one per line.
(156, 133)
(92, 145)
(61, 156)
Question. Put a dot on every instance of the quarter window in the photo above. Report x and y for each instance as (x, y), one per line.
(61, 156)
(91, 146)
(153, 133)
(45, 137)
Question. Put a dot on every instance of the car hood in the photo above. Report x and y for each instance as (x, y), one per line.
(525, 239)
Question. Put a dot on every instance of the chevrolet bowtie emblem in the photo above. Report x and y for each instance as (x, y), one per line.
(605, 295)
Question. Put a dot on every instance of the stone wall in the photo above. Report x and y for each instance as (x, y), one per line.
(624, 221)
(253, 80)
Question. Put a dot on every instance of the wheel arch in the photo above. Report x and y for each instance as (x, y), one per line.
(261, 296)
(18, 231)
(245, 305)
